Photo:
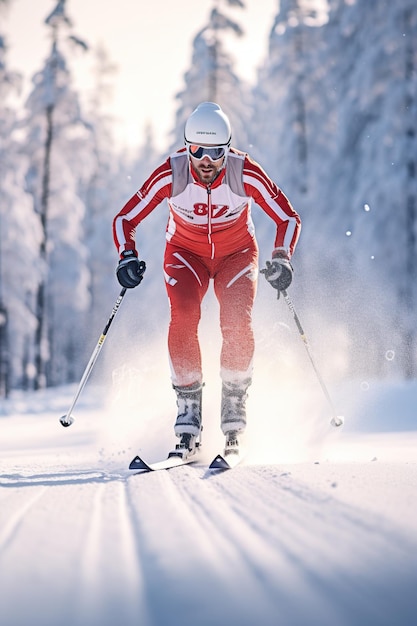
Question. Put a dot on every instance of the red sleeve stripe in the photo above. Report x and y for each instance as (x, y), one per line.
(157, 187)
(252, 170)
(256, 189)
(275, 204)
(161, 172)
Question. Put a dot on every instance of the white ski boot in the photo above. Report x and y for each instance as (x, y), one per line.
(233, 406)
(188, 423)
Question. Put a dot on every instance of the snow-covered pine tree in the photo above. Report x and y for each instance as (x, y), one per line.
(212, 77)
(19, 230)
(281, 96)
(287, 111)
(105, 192)
(59, 148)
(356, 261)
(407, 15)
(371, 182)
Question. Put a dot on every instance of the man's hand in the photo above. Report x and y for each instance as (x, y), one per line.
(130, 270)
(278, 273)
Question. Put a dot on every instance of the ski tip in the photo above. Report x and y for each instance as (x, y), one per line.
(219, 462)
(138, 464)
(226, 461)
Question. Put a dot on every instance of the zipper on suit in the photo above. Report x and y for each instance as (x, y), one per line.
(209, 220)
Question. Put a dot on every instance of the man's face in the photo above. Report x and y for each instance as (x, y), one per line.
(206, 169)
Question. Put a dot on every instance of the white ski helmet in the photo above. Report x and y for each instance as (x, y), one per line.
(208, 124)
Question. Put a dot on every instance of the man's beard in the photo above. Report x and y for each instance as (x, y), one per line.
(207, 173)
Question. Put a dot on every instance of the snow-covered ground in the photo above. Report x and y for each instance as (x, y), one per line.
(317, 528)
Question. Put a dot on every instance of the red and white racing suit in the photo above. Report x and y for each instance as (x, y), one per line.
(210, 235)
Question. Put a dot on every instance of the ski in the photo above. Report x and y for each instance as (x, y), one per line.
(173, 460)
(183, 455)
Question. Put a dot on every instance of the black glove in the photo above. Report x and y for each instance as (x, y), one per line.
(130, 270)
(278, 273)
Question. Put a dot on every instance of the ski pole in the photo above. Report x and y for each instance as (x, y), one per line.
(337, 420)
(68, 419)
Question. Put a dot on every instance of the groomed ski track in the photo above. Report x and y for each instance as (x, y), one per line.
(251, 545)
(86, 542)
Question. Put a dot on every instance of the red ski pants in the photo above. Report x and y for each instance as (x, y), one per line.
(187, 279)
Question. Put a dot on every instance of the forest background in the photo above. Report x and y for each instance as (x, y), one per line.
(332, 117)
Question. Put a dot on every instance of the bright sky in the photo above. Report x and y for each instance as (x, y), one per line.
(150, 42)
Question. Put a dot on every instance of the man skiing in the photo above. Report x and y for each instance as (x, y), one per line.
(209, 236)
